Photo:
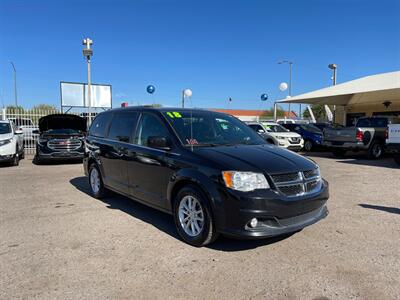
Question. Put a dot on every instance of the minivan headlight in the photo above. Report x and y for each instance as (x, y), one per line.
(244, 181)
(5, 142)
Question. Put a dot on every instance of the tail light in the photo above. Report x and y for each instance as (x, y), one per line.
(359, 135)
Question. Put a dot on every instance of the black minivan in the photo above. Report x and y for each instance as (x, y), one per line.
(212, 172)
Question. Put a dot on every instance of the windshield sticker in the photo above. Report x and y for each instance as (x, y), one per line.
(174, 114)
(192, 141)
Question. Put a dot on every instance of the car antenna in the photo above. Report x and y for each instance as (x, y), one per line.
(191, 124)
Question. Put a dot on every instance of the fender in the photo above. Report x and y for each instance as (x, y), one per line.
(208, 186)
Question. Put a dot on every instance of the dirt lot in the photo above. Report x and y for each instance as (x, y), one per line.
(58, 242)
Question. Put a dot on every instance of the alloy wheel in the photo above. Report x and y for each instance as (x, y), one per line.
(95, 180)
(191, 216)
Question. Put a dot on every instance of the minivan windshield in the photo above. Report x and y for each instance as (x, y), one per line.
(205, 128)
(63, 131)
(5, 128)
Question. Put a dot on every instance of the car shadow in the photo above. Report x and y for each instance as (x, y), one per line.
(165, 222)
(358, 159)
(389, 209)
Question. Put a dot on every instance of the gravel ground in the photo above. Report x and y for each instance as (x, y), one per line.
(58, 242)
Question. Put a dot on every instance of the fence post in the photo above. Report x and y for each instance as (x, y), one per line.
(3, 113)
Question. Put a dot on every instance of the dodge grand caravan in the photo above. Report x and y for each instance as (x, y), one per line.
(212, 172)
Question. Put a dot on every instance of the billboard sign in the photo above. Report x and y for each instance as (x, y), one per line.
(75, 94)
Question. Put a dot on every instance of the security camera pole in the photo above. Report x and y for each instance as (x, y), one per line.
(87, 53)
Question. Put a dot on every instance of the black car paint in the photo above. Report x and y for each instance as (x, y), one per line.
(154, 176)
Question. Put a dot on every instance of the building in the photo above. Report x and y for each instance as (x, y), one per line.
(367, 96)
(251, 115)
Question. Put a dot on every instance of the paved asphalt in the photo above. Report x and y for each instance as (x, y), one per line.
(56, 241)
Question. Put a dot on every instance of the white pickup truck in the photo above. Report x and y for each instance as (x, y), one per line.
(393, 141)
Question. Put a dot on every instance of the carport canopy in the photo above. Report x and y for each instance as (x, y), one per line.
(365, 90)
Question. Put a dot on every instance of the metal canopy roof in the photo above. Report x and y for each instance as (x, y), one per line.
(369, 89)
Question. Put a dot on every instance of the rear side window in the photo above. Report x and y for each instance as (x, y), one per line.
(122, 125)
(99, 125)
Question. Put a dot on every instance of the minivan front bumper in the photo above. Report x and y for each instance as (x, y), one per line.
(276, 215)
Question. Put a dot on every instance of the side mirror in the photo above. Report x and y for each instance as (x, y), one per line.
(158, 142)
(19, 131)
(35, 131)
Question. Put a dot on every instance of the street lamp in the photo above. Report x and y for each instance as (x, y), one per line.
(334, 68)
(186, 93)
(87, 53)
(15, 84)
(290, 79)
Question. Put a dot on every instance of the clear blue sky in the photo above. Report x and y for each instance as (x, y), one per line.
(219, 49)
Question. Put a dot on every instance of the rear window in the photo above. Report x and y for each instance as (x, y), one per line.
(379, 122)
(363, 123)
(99, 125)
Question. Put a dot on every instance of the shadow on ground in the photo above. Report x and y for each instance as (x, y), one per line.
(165, 222)
(388, 209)
(357, 159)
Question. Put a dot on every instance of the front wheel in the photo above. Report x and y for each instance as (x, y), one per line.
(396, 158)
(193, 218)
(15, 161)
(308, 145)
(375, 151)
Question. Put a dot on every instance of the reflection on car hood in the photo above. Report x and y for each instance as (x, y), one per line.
(6, 136)
(257, 158)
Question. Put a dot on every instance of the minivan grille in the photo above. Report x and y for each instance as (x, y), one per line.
(64, 144)
(299, 183)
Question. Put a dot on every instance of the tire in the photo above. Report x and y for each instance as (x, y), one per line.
(308, 145)
(96, 182)
(197, 233)
(15, 161)
(37, 160)
(396, 158)
(376, 150)
(340, 153)
(22, 156)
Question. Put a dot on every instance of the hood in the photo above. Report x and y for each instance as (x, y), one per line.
(62, 121)
(6, 136)
(257, 158)
(286, 134)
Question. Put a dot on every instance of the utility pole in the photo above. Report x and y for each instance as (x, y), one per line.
(15, 84)
(87, 53)
(334, 68)
(290, 80)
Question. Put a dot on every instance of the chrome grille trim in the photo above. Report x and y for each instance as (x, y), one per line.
(64, 144)
(298, 184)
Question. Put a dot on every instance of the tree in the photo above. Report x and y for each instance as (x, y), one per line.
(12, 109)
(319, 112)
(45, 107)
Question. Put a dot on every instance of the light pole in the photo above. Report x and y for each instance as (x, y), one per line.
(334, 68)
(186, 93)
(87, 53)
(290, 79)
(15, 84)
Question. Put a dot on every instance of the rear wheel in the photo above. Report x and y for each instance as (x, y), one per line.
(375, 151)
(193, 218)
(96, 182)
